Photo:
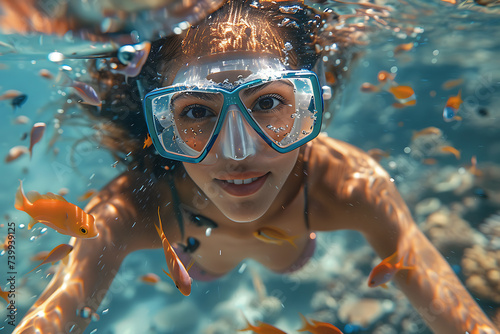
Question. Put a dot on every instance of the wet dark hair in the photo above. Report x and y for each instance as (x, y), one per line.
(296, 33)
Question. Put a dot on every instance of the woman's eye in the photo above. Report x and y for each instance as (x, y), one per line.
(197, 112)
(267, 102)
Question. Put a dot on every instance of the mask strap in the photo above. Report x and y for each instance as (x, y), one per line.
(141, 89)
(325, 88)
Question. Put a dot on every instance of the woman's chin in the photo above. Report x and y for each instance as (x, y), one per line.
(244, 214)
(242, 218)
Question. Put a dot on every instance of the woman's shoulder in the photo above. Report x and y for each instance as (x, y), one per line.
(126, 204)
(341, 167)
(120, 191)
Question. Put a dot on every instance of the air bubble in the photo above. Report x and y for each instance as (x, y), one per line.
(289, 9)
(86, 312)
(55, 57)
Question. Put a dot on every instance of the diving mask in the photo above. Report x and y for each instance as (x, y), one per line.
(241, 98)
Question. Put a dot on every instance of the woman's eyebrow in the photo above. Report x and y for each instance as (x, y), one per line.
(197, 95)
(253, 90)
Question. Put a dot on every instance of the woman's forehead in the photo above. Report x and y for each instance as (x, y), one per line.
(229, 68)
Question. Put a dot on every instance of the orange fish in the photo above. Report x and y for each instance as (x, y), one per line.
(16, 152)
(10, 94)
(400, 105)
(178, 272)
(36, 135)
(384, 76)
(402, 93)
(150, 278)
(318, 327)
(385, 271)
(431, 130)
(86, 92)
(451, 108)
(89, 193)
(367, 87)
(5, 295)
(452, 83)
(262, 328)
(274, 235)
(330, 78)
(473, 168)
(57, 213)
(39, 256)
(44, 73)
(21, 119)
(455, 101)
(6, 243)
(403, 48)
(148, 141)
(429, 161)
(452, 150)
(58, 253)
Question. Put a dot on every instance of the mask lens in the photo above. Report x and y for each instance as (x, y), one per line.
(185, 120)
(284, 109)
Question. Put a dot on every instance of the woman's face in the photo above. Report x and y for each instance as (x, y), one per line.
(265, 172)
(242, 174)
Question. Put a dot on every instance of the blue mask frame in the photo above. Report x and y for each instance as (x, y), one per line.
(231, 97)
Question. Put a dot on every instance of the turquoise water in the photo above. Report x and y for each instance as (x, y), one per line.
(452, 42)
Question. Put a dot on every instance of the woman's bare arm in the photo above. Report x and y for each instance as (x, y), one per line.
(432, 286)
(367, 200)
(93, 263)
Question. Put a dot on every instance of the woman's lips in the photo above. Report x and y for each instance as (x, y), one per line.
(241, 190)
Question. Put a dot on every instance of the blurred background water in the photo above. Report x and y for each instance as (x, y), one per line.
(456, 209)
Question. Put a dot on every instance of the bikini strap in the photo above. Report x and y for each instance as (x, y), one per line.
(306, 155)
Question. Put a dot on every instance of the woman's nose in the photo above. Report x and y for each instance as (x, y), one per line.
(238, 140)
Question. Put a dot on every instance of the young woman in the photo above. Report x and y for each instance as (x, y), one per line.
(234, 110)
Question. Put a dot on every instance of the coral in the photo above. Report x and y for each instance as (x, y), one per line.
(364, 312)
(448, 231)
(481, 267)
(491, 229)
